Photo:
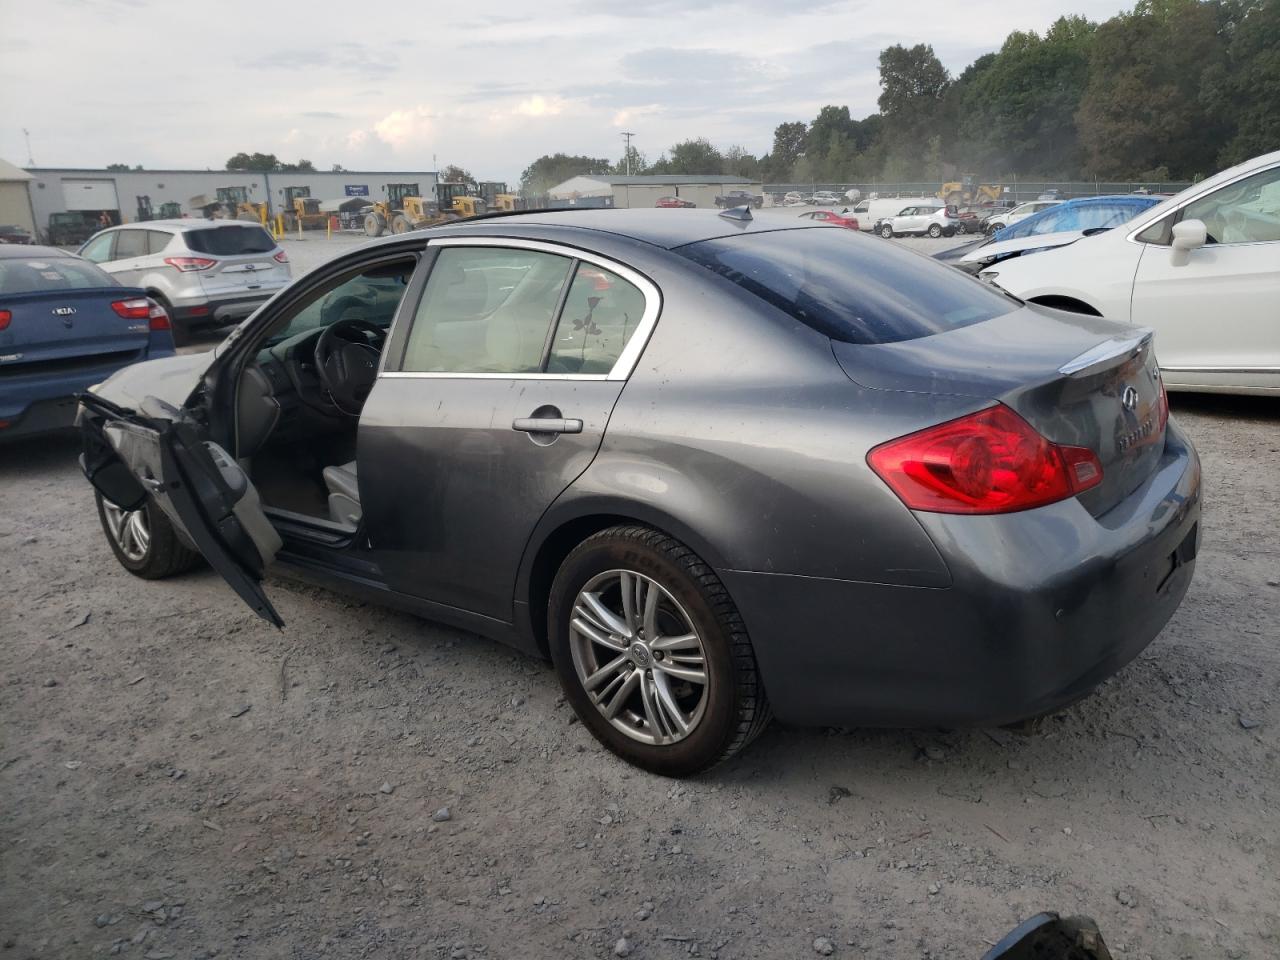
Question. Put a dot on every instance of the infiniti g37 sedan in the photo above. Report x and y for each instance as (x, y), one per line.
(715, 469)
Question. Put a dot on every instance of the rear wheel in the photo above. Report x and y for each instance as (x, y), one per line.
(962, 228)
(652, 653)
(401, 224)
(144, 541)
(887, 232)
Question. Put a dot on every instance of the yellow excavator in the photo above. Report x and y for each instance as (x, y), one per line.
(403, 210)
(967, 192)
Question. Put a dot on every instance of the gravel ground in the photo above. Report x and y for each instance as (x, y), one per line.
(177, 779)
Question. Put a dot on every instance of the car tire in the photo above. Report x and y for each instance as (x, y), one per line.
(962, 228)
(373, 225)
(144, 541)
(886, 232)
(400, 224)
(668, 724)
(935, 231)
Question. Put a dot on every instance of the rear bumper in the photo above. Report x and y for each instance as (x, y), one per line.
(35, 402)
(1044, 606)
(219, 311)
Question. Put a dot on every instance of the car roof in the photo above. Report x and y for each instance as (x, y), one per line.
(16, 251)
(665, 228)
(186, 223)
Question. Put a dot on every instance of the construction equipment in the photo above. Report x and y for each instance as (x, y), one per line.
(144, 209)
(459, 199)
(170, 210)
(505, 201)
(967, 192)
(68, 230)
(305, 213)
(403, 210)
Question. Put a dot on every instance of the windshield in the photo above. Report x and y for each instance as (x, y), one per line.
(849, 287)
(37, 275)
(1086, 215)
(230, 241)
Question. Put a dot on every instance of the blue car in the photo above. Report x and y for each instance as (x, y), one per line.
(1054, 226)
(64, 326)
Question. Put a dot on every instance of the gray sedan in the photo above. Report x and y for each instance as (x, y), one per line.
(715, 469)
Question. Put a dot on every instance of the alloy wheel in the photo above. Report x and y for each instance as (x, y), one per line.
(639, 657)
(129, 529)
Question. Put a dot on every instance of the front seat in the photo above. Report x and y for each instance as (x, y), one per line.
(344, 494)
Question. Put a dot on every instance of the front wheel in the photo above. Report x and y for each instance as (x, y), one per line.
(935, 231)
(652, 653)
(886, 232)
(144, 541)
(373, 225)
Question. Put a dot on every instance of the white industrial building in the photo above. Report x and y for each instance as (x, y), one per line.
(608, 190)
(119, 193)
(15, 202)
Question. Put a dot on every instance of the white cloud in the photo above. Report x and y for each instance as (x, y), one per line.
(401, 128)
(540, 106)
(356, 139)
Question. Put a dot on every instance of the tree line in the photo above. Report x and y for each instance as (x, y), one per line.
(1173, 89)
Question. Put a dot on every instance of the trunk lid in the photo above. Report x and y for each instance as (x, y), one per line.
(244, 255)
(1078, 380)
(58, 327)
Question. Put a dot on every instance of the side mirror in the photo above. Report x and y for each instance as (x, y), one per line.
(1187, 236)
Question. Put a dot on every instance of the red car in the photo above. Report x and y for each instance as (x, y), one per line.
(673, 202)
(835, 219)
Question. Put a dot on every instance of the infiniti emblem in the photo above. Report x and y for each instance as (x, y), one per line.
(1129, 398)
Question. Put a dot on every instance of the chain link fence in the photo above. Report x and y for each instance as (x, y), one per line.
(1013, 189)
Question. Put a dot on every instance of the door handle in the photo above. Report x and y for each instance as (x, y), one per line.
(546, 425)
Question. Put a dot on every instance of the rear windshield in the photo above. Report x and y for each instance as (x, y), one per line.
(848, 287)
(230, 241)
(35, 275)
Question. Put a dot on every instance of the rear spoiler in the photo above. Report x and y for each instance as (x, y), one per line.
(1106, 354)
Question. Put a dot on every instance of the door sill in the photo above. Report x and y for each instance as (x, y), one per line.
(301, 526)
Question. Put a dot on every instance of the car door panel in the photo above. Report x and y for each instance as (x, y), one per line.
(201, 490)
(451, 490)
(1215, 314)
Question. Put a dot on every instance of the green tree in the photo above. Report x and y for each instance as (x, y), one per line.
(551, 169)
(788, 147)
(632, 162)
(1142, 107)
(254, 161)
(695, 156)
(914, 84)
(737, 162)
(452, 173)
(1246, 85)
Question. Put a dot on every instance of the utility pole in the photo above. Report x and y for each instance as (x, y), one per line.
(627, 137)
(26, 135)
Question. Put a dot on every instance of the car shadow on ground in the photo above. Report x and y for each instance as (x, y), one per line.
(40, 452)
(1228, 405)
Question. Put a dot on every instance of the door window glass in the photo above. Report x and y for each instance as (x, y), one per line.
(600, 315)
(131, 243)
(157, 240)
(486, 310)
(372, 295)
(99, 248)
(1247, 211)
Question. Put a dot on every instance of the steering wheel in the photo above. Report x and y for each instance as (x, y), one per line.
(347, 362)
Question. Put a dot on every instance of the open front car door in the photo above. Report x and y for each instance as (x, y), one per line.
(158, 452)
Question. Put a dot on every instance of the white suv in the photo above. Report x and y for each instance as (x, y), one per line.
(205, 273)
(1201, 269)
(924, 219)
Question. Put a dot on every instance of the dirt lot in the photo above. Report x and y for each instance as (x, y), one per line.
(179, 780)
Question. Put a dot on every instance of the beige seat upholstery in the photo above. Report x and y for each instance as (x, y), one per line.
(344, 494)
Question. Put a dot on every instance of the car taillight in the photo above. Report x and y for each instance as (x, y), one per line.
(991, 461)
(157, 318)
(5, 317)
(280, 257)
(139, 308)
(189, 264)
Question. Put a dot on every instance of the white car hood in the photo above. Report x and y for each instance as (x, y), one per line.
(1002, 248)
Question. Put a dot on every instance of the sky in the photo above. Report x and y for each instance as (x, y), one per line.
(490, 86)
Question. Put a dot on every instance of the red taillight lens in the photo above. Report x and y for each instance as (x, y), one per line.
(189, 264)
(157, 318)
(280, 257)
(991, 461)
(5, 317)
(138, 308)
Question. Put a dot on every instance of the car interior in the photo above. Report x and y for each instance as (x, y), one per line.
(484, 310)
(298, 402)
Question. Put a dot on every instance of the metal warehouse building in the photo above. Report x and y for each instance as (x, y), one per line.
(120, 194)
(15, 202)
(607, 190)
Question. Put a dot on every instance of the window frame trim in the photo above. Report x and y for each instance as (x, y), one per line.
(1176, 212)
(622, 367)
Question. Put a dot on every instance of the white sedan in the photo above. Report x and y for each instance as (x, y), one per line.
(1201, 269)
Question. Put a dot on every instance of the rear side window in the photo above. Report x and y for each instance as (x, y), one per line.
(35, 275)
(600, 314)
(230, 241)
(157, 240)
(849, 287)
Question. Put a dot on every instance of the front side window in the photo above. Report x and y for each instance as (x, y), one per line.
(371, 295)
(98, 250)
(1247, 211)
(600, 314)
(486, 310)
(847, 287)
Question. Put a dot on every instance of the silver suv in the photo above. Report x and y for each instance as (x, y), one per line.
(928, 219)
(205, 273)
